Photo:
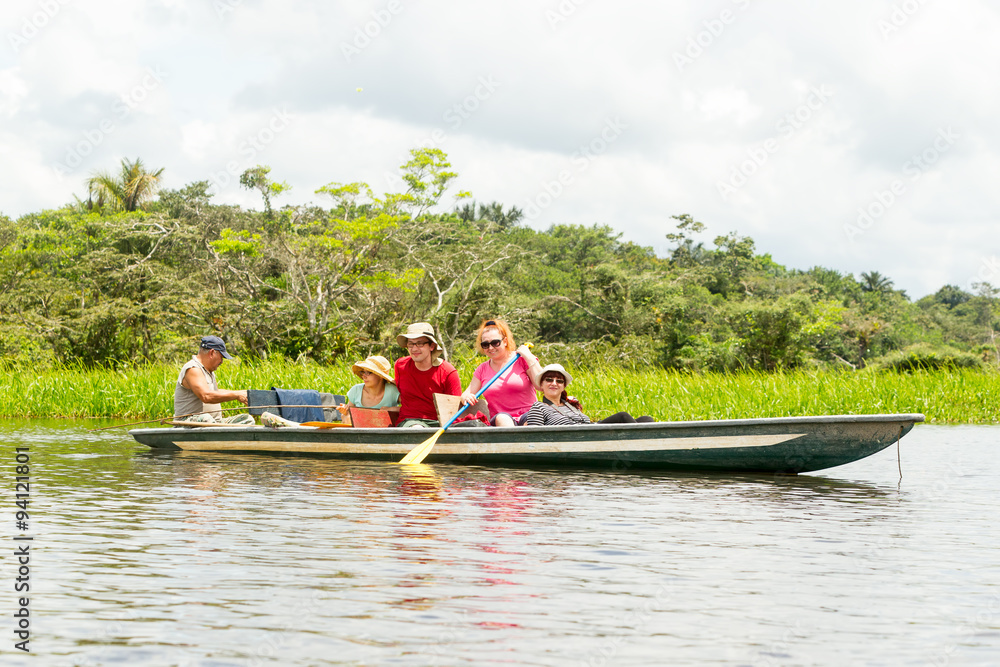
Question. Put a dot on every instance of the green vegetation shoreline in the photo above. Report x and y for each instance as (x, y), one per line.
(957, 396)
(134, 275)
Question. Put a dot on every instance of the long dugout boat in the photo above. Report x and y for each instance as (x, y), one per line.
(773, 445)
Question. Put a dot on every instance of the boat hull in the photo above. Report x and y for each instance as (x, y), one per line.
(778, 445)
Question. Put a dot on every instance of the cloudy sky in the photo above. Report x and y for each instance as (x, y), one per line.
(857, 135)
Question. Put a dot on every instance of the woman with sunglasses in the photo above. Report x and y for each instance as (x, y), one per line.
(557, 408)
(511, 396)
(376, 389)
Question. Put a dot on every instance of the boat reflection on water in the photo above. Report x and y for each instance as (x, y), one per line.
(418, 480)
(419, 514)
(506, 493)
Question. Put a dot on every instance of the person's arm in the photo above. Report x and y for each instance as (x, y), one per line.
(534, 368)
(194, 380)
(469, 395)
(345, 412)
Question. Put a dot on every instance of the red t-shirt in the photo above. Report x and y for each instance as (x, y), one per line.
(417, 387)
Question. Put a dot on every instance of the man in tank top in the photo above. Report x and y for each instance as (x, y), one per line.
(197, 393)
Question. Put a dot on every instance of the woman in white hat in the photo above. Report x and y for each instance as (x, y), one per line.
(376, 389)
(557, 408)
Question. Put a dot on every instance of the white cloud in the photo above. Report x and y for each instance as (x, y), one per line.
(556, 85)
(728, 103)
(197, 137)
(12, 91)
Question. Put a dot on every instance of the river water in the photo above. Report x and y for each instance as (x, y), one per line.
(139, 558)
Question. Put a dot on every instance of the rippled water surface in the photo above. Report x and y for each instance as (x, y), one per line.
(218, 559)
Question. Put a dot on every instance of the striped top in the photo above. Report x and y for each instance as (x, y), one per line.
(544, 413)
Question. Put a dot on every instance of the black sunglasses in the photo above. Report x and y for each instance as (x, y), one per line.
(487, 344)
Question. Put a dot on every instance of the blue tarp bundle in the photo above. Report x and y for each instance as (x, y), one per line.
(282, 397)
(300, 397)
(261, 397)
(256, 398)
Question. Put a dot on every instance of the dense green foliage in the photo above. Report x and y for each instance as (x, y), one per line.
(124, 279)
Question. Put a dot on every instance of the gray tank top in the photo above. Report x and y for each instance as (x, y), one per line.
(185, 401)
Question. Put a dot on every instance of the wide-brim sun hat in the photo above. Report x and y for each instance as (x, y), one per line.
(377, 365)
(420, 330)
(556, 368)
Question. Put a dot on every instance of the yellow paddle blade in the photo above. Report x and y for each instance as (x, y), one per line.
(420, 452)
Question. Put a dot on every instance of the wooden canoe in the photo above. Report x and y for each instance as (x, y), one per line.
(774, 445)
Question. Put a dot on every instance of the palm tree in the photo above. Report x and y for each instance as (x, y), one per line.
(129, 191)
(875, 282)
(491, 212)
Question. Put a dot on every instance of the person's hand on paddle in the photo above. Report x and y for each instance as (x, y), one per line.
(525, 352)
(469, 398)
(420, 452)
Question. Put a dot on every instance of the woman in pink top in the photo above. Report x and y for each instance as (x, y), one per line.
(511, 396)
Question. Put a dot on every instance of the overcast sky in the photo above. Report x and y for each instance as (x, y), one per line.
(857, 135)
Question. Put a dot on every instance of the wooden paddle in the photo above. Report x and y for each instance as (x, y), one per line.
(200, 424)
(166, 420)
(420, 452)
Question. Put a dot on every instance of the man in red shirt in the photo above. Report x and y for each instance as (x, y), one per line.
(421, 375)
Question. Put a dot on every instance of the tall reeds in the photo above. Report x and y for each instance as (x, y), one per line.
(956, 396)
(147, 391)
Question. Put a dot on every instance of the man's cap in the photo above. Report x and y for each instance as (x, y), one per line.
(215, 343)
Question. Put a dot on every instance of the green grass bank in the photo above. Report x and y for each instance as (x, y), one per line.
(945, 397)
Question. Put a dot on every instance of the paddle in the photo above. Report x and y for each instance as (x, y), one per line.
(163, 420)
(325, 424)
(420, 452)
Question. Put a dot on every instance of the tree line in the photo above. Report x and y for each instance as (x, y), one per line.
(134, 274)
